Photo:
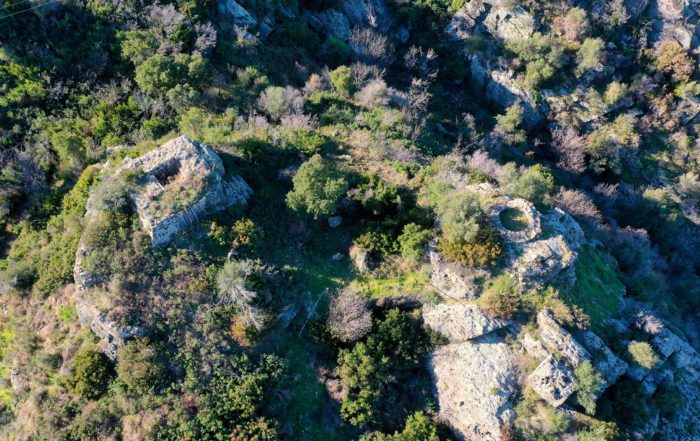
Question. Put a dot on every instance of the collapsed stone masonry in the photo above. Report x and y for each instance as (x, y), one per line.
(184, 171)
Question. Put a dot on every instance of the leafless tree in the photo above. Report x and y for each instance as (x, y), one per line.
(579, 205)
(570, 147)
(374, 94)
(299, 120)
(350, 317)
(371, 47)
(423, 62)
(365, 73)
(480, 160)
(206, 37)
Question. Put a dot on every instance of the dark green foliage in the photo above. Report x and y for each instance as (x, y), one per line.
(589, 384)
(231, 403)
(92, 373)
(318, 186)
(374, 370)
(141, 367)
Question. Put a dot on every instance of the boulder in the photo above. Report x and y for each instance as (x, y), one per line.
(475, 382)
(335, 221)
(452, 280)
(552, 381)
(360, 259)
(534, 347)
(329, 22)
(609, 365)
(559, 341)
(459, 322)
(504, 20)
(238, 14)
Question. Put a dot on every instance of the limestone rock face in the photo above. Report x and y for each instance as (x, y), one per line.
(542, 261)
(238, 14)
(452, 280)
(499, 84)
(609, 365)
(112, 334)
(504, 20)
(183, 181)
(329, 22)
(559, 341)
(368, 13)
(475, 382)
(553, 381)
(534, 347)
(459, 322)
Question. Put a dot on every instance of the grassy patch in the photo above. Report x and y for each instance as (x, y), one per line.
(598, 289)
(514, 219)
(67, 314)
(415, 283)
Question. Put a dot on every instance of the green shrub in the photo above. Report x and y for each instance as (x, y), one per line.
(535, 183)
(377, 242)
(502, 297)
(590, 55)
(306, 141)
(643, 354)
(343, 81)
(92, 373)
(318, 186)
(461, 216)
(589, 384)
(140, 367)
(485, 249)
(335, 51)
(377, 196)
(413, 240)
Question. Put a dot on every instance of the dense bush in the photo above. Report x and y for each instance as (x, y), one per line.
(589, 384)
(91, 374)
(643, 354)
(141, 368)
(413, 240)
(318, 186)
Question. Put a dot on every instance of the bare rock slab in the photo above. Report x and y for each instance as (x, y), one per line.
(559, 341)
(460, 322)
(474, 383)
(552, 381)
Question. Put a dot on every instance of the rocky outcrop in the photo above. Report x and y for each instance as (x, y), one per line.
(558, 340)
(498, 84)
(609, 365)
(475, 382)
(160, 177)
(501, 19)
(368, 13)
(553, 381)
(329, 22)
(452, 280)
(460, 322)
(535, 261)
(237, 13)
(181, 167)
(534, 347)
(113, 335)
(540, 262)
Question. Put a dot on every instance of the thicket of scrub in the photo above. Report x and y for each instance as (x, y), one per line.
(370, 129)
